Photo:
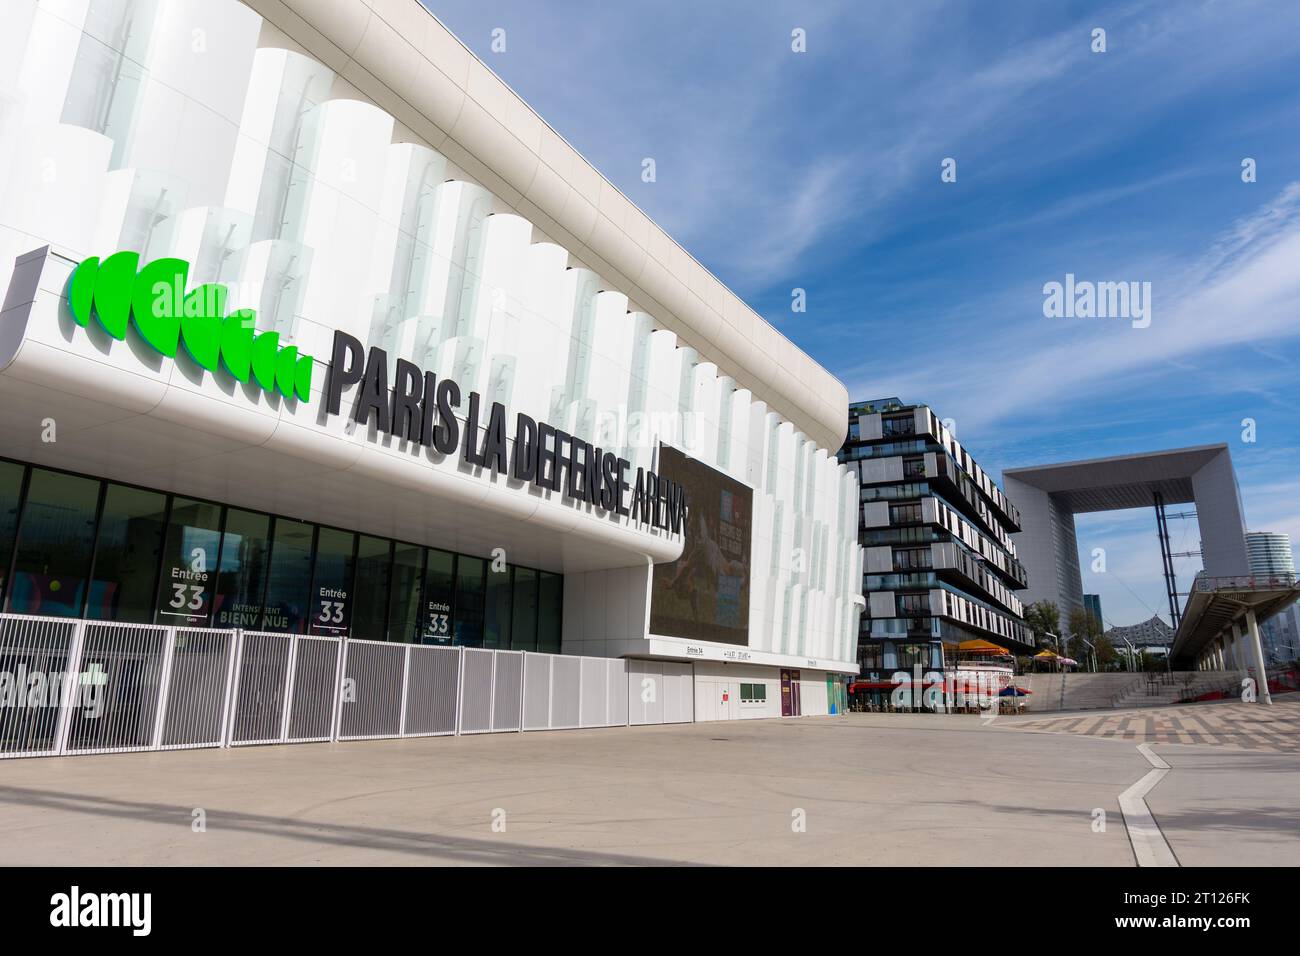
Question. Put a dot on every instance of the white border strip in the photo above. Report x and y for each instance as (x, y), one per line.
(1150, 847)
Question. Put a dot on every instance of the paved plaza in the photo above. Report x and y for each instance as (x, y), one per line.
(876, 790)
(1273, 729)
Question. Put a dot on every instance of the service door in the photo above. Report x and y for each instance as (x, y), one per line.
(787, 695)
(795, 707)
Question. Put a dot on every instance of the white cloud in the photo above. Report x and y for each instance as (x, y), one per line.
(1243, 290)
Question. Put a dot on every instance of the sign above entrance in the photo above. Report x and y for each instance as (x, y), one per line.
(421, 408)
(417, 407)
(118, 292)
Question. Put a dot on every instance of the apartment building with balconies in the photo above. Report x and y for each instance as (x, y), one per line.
(940, 566)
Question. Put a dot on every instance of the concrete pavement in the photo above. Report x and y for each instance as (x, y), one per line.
(885, 790)
(1274, 729)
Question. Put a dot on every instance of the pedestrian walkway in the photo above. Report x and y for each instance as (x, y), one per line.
(1273, 729)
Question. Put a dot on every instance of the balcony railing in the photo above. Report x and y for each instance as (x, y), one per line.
(1251, 582)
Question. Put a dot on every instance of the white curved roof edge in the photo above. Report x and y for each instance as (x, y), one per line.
(401, 56)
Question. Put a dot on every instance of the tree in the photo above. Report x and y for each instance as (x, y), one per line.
(1043, 617)
(1107, 657)
(1086, 626)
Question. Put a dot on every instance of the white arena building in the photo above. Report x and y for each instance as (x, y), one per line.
(326, 363)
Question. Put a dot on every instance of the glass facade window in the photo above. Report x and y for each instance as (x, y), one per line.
(523, 618)
(871, 656)
(496, 613)
(187, 585)
(370, 615)
(895, 427)
(289, 582)
(404, 601)
(75, 546)
(439, 596)
(550, 603)
(905, 514)
(56, 534)
(11, 489)
(469, 601)
(918, 655)
(330, 607)
(241, 576)
(125, 575)
(913, 604)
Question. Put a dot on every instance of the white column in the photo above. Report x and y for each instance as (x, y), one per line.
(1261, 675)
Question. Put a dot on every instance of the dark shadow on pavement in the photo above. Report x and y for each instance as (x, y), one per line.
(431, 848)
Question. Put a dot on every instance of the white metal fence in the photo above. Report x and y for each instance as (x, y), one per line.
(89, 687)
(660, 692)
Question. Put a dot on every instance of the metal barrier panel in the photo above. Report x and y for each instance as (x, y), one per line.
(537, 691)
(476, 692)
(198, 689)
(432, 682)
(595, 703)
(678, 693)
(687, 685)
(617, 692)
(645, 691)
(77, 687)
(314, 688)
(121, 676)
(374, 681)
(507, 690)
(566, 684)
(30, 705)
(261, 686)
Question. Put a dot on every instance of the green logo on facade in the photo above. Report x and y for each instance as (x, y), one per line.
(117, 291)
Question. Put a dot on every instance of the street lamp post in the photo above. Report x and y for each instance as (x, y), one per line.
(1057, 641)
(1092, 648)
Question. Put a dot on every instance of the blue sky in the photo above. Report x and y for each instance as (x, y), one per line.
(821, 170)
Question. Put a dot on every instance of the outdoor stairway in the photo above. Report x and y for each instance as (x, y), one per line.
(1182, 686)
(1053, 692)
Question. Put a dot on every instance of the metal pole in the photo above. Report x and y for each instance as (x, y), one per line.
(1262, 694)
(1166, 558)
(71, 686)
(164, 686)
(1094, 653)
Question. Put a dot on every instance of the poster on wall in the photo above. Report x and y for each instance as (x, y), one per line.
(333, 612)
(187, 597)
(704, 594)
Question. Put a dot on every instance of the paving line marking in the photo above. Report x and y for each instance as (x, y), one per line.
(1150, 848)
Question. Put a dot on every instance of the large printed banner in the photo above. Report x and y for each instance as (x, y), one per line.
(704, 594)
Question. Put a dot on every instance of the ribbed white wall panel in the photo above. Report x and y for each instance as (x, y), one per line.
(245, 162)
(47, 56)
(52, 189)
